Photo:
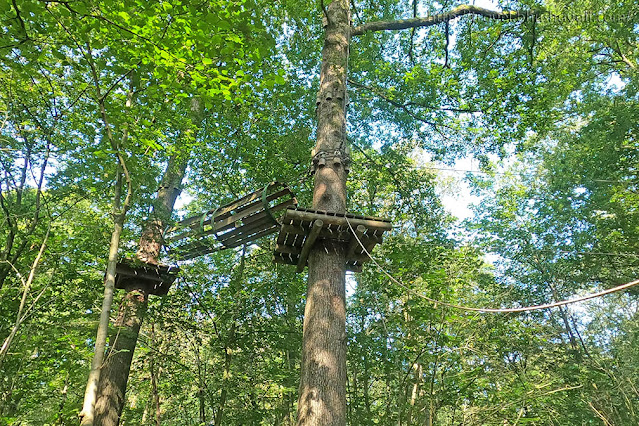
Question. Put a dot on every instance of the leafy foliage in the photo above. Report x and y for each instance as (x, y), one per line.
(548, 104)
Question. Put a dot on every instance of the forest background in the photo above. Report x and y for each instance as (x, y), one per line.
(546, 105)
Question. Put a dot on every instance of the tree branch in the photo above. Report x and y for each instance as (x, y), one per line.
(20, 20)
(429, 21)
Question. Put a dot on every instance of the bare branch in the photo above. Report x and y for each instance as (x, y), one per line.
(429, 21)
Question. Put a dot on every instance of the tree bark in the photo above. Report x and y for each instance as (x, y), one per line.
(322, 392)
(115, 370)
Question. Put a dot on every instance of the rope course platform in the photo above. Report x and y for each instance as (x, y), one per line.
(231, 225)
(303, 228)
(156, 279)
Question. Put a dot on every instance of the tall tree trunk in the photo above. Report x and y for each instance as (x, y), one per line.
(115, 370)
(322, 392)
(120, 210)
(414, 394)
(87, 415)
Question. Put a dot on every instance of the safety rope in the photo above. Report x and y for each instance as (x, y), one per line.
(493, 310)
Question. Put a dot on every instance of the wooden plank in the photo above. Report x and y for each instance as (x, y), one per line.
(349, 215)
(258, 220)
(199, 252)
(254, 237)
(284, 261)
(279, 248)
(243, 231)
(250, 197)
(228, 207)
(308, 244)
(270, 197)
(338, 220)
(225, 212)
(293, 229)
(229, 221)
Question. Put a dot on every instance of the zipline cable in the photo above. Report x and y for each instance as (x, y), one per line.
(492, 310)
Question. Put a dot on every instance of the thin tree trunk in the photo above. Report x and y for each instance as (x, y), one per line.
(154, 379)
(200, 391)
(414, 392)
(90, 394)
(322, 392)
(227, 371)
(115, 372)
(87, 415)
(23, 301)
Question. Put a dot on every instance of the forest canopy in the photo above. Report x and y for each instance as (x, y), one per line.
(500, 139)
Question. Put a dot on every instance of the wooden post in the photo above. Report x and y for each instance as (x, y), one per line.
(322, 392)
(355, 240)
(308, 244)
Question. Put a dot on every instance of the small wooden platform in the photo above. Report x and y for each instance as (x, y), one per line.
(231, 225)
(302, 228)
(156, 279)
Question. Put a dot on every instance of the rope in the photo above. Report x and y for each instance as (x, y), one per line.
(493, 310)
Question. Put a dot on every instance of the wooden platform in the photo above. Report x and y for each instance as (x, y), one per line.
(156, 279)
(303, 228)
(231, 225)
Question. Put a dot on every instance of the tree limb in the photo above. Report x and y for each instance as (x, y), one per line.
(429, 21)
(20, 20)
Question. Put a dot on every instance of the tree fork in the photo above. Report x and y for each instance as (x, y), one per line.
(322, 391)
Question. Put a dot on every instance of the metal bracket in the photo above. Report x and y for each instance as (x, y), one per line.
(335, 157)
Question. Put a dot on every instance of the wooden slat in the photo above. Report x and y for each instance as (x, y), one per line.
(228, 207)
(338, 220)
(225, 211)
(200, 252)
(254, 237)
(256, 220)
(245, 230)
(250, 197)
(278, 259)
(287, 249)
(229, 221)
(349, 215)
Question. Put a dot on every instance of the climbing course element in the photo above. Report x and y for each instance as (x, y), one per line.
(231, 225)
(303, 228)
(154, 279)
